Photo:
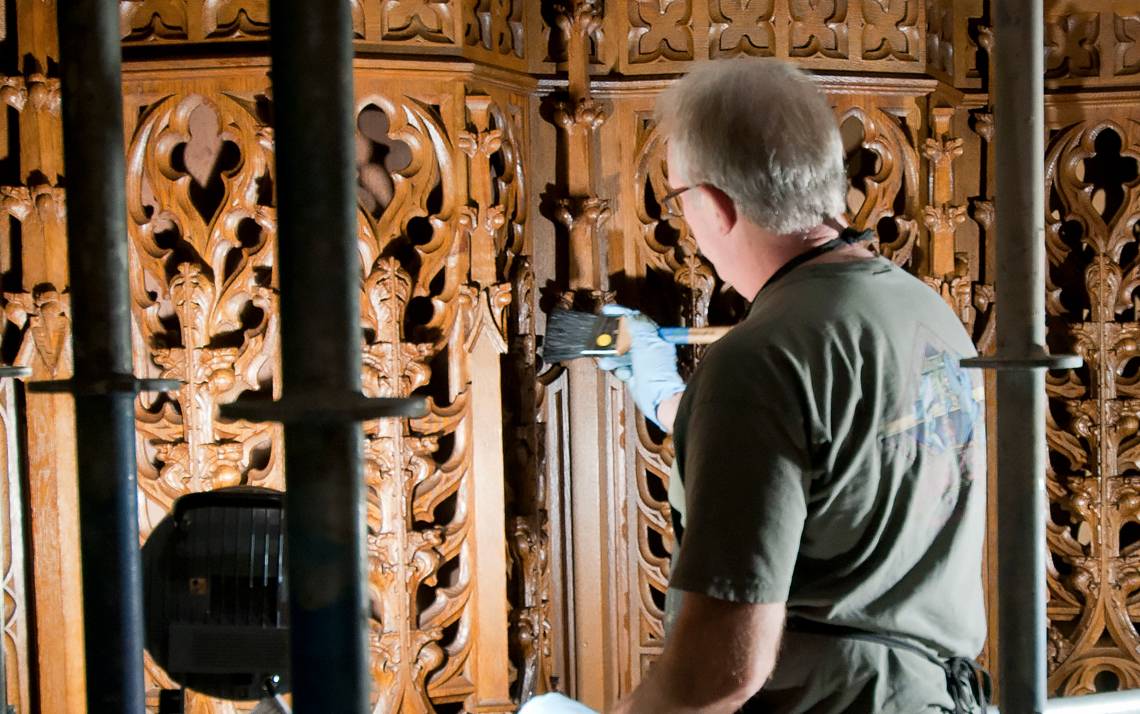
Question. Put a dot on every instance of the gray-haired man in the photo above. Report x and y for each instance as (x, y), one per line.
(830, 447)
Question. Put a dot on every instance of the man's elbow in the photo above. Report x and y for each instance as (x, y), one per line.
(721, 653)
(748, 681)
(726, 690)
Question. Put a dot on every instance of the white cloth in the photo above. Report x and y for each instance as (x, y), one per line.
(554, 703)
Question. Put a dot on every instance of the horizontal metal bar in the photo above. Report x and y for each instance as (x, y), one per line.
(115, 384)
(325, 408)
(15, 372)
(1125, 702)
(1050, 362)
(1043, 361)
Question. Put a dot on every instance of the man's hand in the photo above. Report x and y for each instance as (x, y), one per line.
(649, 368)
(717, 656)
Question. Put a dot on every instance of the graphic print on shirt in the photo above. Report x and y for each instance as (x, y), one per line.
(945, 406)
(938, 431)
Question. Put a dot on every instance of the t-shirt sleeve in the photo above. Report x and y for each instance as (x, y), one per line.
(746, 469)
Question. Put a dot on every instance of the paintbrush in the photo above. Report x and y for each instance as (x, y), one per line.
(571, 334)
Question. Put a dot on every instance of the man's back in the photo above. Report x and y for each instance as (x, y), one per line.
(832, 452)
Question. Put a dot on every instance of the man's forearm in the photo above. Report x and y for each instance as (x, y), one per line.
(717, 656)
(665, 690)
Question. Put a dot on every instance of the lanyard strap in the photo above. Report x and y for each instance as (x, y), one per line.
(847, 236)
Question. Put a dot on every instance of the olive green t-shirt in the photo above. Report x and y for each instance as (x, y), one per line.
(832, 456)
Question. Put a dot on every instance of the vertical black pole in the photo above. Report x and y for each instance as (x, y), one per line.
(1019, 112)
(1021, 357)
(320, 317)
(91, 87)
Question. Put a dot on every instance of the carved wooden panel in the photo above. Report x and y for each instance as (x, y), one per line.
(519, 534)
(660, 36)
(881, 127)
(442, 227)
(953, 34)
(195, 20)
(737, 27)
(14, 603)
(554, 473)
(1092, 43)
(43, 625)
(201, 222)
(497, 26)
(492, 30)
(532, 502)
(660, 29)
(589, 402)
(1092, 171)
(201, 226)
(957, 220)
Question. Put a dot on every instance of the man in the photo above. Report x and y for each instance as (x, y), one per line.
(830, 447)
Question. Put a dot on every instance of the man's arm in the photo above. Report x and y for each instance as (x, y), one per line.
(718, 654)
(667, 412)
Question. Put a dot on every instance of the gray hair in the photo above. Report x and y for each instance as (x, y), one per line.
(760, 131)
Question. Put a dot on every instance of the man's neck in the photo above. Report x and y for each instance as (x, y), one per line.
(772, 251)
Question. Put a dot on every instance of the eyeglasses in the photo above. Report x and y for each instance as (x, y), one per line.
(671, 201)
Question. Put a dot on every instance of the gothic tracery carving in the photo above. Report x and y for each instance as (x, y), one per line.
(883, 167)
(660, 29)
(14, 630)
(1093, 278)
(1071, 46)
(418, 643)
(154, 19)
(496, 25)
(819, 28)
(890, 30)
(200, 226)
(423, 20)
(235, 18)
(444, 271)
(741, 27)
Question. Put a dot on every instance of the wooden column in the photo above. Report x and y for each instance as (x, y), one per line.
(42, 308)
(485, 346)
(590, 470)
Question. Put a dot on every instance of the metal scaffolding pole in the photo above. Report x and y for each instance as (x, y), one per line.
(103, 384)
(1019, 71)
(311, 46)
(320, 339)
(1021, 357)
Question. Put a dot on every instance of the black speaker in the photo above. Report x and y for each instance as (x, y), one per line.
(216, 597)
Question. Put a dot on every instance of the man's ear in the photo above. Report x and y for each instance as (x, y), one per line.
(724, 215)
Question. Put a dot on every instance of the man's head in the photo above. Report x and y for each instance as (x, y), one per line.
(760, 132)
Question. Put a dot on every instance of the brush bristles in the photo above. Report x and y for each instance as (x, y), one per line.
(570, 335)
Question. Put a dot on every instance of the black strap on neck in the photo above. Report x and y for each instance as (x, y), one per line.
(847, 236)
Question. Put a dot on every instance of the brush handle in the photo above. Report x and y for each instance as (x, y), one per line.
(692, 335)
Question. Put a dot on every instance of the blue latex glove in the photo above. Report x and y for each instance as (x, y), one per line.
(650, 366)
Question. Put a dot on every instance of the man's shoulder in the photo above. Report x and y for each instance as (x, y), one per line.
(866, 298)
(749, 347)
(750, 368)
